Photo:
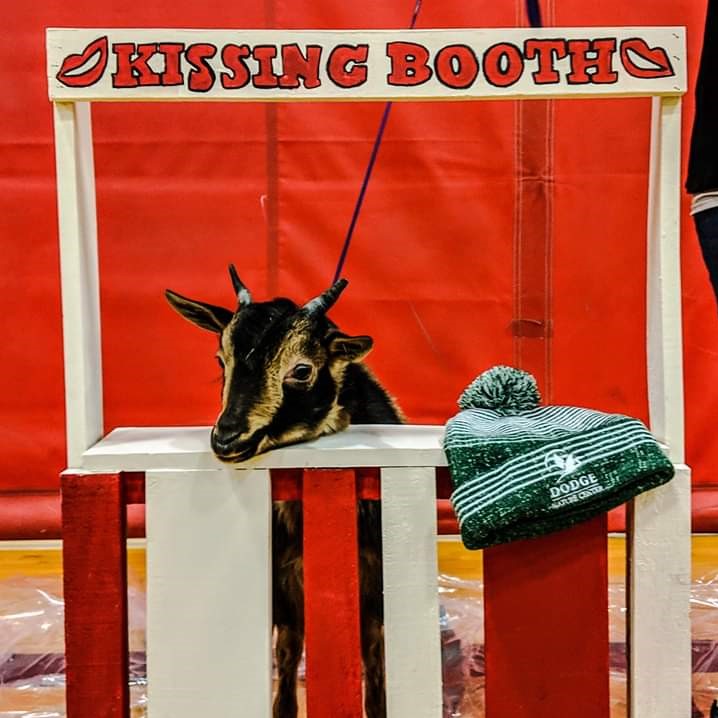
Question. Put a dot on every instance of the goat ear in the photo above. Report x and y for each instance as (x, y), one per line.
(206, 316)
(349, 348)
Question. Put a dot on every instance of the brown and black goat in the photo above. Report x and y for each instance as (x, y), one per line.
(290, 375)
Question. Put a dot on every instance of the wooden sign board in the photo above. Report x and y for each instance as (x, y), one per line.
(261, 65)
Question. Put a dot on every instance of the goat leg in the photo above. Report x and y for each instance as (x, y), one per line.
(290, 640)
(373, 657)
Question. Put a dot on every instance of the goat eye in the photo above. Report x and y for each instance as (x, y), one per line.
(301, 372)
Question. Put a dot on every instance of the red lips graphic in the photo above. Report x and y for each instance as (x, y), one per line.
(656, 56)
(92, 74)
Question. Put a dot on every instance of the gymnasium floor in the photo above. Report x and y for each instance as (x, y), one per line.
(31, 620)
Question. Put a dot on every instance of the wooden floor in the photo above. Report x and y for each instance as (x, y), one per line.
(44, 558)
(39, 564)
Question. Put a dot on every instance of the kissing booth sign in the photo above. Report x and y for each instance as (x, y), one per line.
(197, 507)
(309, 65)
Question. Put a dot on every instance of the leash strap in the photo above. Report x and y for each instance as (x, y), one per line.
(533, 12)
(370, 168)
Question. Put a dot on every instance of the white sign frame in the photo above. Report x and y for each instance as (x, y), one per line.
(465, 64)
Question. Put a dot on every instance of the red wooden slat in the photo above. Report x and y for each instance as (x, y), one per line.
(331, 594)
(368, 483)
(95, 584)
(287, 484)
(134, 490)
(546, 623)
(444, 487)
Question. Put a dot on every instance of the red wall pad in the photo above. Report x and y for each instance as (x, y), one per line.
(533, 241)
(95, 581)
(331, 594)
(546, 618)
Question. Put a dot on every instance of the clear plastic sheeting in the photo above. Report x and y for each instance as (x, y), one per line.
(704, 620)
(462, 645)
(32, 682)
(32, 661)
(464, 677)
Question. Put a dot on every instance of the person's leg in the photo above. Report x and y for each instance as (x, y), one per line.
(707, 229)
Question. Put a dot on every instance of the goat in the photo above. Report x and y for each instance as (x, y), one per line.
(290, 375)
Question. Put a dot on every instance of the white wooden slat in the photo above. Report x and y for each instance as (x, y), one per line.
(94, 64)
(133, 449)
(665, 348)
(411, 597)
(660, 520)
(659, 572)
(79, 276)
(209, 593)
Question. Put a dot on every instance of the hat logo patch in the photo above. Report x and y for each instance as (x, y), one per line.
(561, 461)
(565, 491)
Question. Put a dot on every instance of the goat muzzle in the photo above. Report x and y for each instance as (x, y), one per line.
(231, 448)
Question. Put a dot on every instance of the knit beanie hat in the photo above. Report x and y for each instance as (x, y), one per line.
(519, 470)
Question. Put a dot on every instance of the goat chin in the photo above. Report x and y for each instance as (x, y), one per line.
(299, 436)
(262, 447)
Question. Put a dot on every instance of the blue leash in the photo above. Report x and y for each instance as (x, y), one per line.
(370, 167)
(533, 12)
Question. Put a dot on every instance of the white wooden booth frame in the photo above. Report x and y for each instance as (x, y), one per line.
(257, 65)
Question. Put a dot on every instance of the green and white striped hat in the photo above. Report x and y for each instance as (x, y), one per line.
(520, 470)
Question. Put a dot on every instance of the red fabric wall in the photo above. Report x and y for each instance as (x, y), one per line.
(184, 189)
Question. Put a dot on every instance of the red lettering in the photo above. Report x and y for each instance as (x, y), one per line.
(201, 76)
(547, 52)
(132, 67)
(600, 61)
(655, 56)
(456, 66)
(409, 64)
(233, 58)
(295, 65)
(265, 78)
(172, 52)
(503, 64)
(344, 68)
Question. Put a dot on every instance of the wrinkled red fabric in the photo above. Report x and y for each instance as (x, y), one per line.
(183, 189)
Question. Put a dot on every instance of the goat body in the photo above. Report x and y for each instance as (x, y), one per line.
(290, 375)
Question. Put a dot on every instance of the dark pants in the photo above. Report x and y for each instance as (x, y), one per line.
(707, 228)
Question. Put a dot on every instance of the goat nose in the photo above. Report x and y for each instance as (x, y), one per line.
(223, 440)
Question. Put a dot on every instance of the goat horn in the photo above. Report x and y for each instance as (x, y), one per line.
(243, 295)
(326, 300)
